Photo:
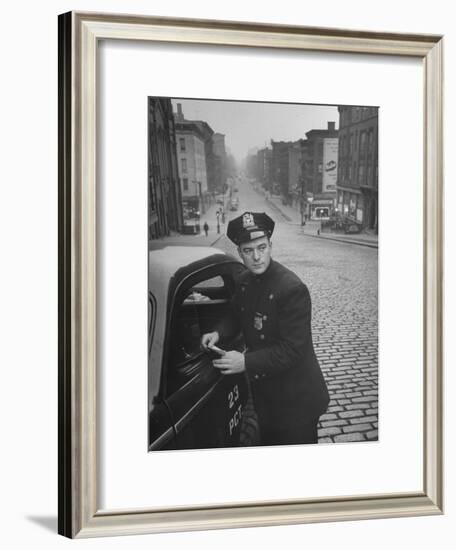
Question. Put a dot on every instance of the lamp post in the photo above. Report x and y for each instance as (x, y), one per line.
(197, 214)
(310, 201)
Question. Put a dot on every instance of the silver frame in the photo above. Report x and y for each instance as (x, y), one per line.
(79, 34)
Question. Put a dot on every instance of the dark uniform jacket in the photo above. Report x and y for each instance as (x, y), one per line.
(274, 312)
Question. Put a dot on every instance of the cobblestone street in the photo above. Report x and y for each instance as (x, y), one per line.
(342, 280)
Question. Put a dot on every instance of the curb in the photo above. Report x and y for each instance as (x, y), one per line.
(217, 239)
(347, 241)
(276, 207)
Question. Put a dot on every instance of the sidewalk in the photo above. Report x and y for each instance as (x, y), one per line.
(177, 239)
(311, 228)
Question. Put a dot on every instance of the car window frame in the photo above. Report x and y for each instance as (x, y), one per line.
(152, 320)
(227, 267)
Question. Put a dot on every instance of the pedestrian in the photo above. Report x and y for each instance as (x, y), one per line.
(272, 308)
(206, 228)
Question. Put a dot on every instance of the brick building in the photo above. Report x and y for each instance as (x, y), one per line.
(320, 170)
(281, 169)
(164, 203)
(219, 151)
(264, 168)
(357, 179)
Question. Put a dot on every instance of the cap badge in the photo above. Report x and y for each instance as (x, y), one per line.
(247, 220)
(258, 321)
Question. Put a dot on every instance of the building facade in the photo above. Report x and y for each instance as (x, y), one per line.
(164, 195)
(219, 152)
(281, 169)
(191, 162)
(264, 168)
(320, 170)
(296, 182)
(205, 133)
(357, 179)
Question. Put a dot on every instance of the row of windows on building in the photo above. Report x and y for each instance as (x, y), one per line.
(363, 173)
(365, 139)
(352, 115)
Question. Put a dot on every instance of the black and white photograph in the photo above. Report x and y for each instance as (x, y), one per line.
(262, 273)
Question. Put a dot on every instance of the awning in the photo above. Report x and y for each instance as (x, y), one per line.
(322, 202)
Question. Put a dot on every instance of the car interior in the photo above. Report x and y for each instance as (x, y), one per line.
(200, 306)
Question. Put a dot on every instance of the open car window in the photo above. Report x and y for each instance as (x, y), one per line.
(200, 305)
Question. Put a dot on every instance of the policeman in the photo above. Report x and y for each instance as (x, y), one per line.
(272, 307)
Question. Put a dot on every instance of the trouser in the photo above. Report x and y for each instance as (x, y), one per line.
(283, 433)
(284, 425)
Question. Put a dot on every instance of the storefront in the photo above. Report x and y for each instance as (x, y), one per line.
(321, 209)
(350, 203)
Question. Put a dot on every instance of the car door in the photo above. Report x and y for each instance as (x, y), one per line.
(206, 407)
(161, 428)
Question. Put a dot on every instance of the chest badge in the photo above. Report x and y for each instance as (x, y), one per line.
(258, 321)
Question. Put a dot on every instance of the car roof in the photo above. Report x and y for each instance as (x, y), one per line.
(165, 262)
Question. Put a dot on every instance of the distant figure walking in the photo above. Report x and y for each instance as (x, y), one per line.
(206, 228)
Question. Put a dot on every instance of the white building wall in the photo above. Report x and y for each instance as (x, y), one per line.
(191, 164)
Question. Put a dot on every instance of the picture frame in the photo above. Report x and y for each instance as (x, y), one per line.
(79, 36)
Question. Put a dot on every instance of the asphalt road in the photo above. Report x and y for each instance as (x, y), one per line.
(342, 280)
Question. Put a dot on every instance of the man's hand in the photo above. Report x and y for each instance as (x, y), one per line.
(232, 362)
(209, 339)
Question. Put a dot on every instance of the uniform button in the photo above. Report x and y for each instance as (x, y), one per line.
(256, 377)
(243, 288)
(265, 317)
(262, 336)
(271, 296)
(242, 308)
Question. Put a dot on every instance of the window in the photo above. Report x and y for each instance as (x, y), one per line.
(362, 139)
(185, 184)
(184, 165)
(371, 142)
(201, 304)
(182, 144)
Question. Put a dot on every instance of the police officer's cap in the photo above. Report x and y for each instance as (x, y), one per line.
(250, 226)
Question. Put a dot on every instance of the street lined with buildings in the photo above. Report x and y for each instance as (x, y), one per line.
(330, 175)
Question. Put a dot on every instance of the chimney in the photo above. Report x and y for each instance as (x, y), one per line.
(331, 126)
(180, 114)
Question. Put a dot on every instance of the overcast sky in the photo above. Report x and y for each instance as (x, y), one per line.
(247, 125)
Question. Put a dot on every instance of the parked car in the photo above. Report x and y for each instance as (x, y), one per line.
(192, 405)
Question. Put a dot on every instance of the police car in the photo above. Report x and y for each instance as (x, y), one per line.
(191, 404)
